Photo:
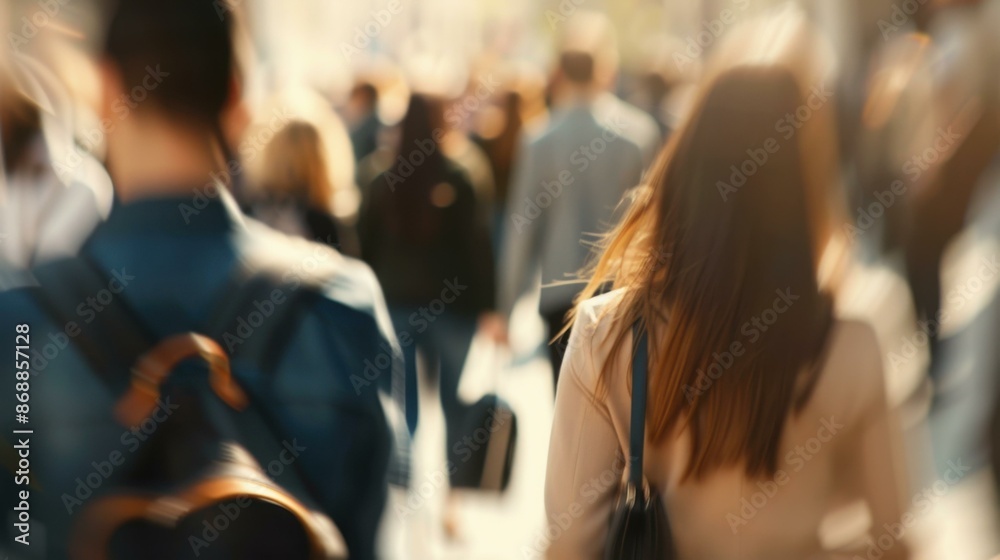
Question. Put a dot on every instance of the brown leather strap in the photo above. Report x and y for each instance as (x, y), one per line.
(153, 368)
(93, 532)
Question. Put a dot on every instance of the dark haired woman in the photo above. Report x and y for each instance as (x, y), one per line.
(422, 231)
(764, 409)
(425, 233)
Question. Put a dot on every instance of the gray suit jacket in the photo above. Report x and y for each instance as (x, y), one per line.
(568, 181)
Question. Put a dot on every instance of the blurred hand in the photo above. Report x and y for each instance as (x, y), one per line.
(494, 325)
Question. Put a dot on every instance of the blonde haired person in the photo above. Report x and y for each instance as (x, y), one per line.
(303, 182)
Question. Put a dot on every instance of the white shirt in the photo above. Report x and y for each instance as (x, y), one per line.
(42, 217)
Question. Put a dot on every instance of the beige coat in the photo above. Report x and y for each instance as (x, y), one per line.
(843, 446)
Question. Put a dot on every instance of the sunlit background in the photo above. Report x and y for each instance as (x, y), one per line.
(895, 89)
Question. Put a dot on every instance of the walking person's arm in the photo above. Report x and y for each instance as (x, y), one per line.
(585, 458)
(521, 241)
(879, 456)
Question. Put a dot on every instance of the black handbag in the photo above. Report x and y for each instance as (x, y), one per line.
(640, 529)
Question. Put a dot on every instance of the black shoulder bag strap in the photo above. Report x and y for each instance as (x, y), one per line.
(637, 426)
(658, 537)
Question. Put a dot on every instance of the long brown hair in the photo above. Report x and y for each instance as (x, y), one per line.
(721, 226)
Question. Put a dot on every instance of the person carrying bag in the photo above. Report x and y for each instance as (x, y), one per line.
(640, 527)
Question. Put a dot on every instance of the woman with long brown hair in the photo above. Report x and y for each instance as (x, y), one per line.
(765, 411)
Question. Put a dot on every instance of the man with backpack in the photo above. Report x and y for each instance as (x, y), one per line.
(191, 363)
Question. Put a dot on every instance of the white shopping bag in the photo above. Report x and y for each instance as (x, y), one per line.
(484, 370)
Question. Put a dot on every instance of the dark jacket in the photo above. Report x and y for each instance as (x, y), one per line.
(423, 237)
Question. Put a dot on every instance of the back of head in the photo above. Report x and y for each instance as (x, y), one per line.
(295, 167)
(366, 95)
(188, 43)
(784, 38)
(733, 204)
(588, 52)
(423, 127)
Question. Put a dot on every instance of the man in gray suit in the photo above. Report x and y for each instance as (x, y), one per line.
(571, 175)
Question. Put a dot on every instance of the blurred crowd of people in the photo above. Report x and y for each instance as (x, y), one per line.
(846, 166)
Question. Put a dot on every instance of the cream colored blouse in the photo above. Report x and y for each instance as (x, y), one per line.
(843, 447)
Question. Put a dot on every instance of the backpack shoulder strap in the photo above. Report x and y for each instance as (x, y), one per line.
(255, 318)
(112, 338)
(109, 336)
(278, 305)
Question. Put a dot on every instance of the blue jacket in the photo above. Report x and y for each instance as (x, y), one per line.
(171, 261)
